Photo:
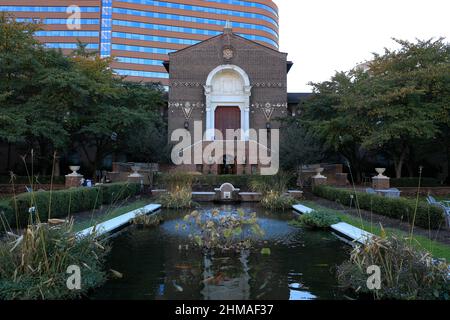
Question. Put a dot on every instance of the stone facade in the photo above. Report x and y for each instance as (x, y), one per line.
(226, 70)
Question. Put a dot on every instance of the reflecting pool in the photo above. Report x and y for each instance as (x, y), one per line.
(162, 263)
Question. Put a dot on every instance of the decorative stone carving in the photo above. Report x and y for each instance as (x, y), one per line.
(269, 85)
(228, 53)
(268, 108)
(185, 84)
(187, 107)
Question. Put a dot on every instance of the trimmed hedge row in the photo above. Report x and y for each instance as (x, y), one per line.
(36, 180)
(209, 182)
(414, 182)
(427, 216)
(65, 202)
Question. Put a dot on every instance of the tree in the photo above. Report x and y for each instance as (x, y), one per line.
(395, 105)
(406, 101)
(299, 147)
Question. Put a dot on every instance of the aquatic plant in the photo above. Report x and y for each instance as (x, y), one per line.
(277, 201)
(274, 191)
(407, 273)
(317, 219)
(35, 264)
(147, 221)
(227, 232)
(179, 191)
(181, 197)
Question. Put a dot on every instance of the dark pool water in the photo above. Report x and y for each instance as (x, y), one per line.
(301, 265)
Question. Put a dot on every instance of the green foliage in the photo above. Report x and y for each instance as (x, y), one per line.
(274, 190)
(178, 199)
(406, 272)
(209, 182)
(277, 201)
(378, 102)
(34, 266)
(36, 180)
(63, 203)
(147, 221)
(213, 230)
(176, 180)
(427, 216)
(414, 182)
(179, 190)
(279, 182)
(300, 146)
(317, 219)
(51, 102)
(6, 215)
(114, 192)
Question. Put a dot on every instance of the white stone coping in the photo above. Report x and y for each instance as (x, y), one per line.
(352, 232)
(115, 223)
(250, 193)
(295, 191)
(302, 209)
(203, 193)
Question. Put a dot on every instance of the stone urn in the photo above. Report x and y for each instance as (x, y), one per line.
(74, 171)
(135, 173)
(319, 173)
(380, 172)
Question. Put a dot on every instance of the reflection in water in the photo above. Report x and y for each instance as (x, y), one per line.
(160, 263)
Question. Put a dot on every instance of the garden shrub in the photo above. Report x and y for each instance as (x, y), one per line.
(427, 216)
(6, 213)
(209, 182)
(406, 272)
(414, 182)
(113, 192)
(35, 267)
(36, 180)
(277, 201)
(317, 219)
(63, 203)
(177, 199)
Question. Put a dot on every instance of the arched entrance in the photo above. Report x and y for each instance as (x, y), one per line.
(227, 86)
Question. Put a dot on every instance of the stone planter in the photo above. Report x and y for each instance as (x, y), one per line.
(380, 181)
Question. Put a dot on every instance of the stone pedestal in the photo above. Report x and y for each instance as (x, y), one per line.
(380, 182)
(135, 178)
(73, 180)
(318, 181)
(341, 179)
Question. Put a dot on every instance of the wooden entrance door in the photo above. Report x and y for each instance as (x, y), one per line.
(227, 118)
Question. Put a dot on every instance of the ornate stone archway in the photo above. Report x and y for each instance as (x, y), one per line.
(227, 85)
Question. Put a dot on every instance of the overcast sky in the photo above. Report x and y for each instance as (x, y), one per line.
(324, 36)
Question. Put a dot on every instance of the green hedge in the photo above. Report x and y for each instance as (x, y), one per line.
(209, 182)
(113, 192)
(65, 202)
(414, 182)
(427, 216)
(37, 180)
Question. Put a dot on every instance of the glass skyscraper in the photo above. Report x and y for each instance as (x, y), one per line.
(140, 33)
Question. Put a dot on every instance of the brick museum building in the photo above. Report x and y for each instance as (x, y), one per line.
(226, 82)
